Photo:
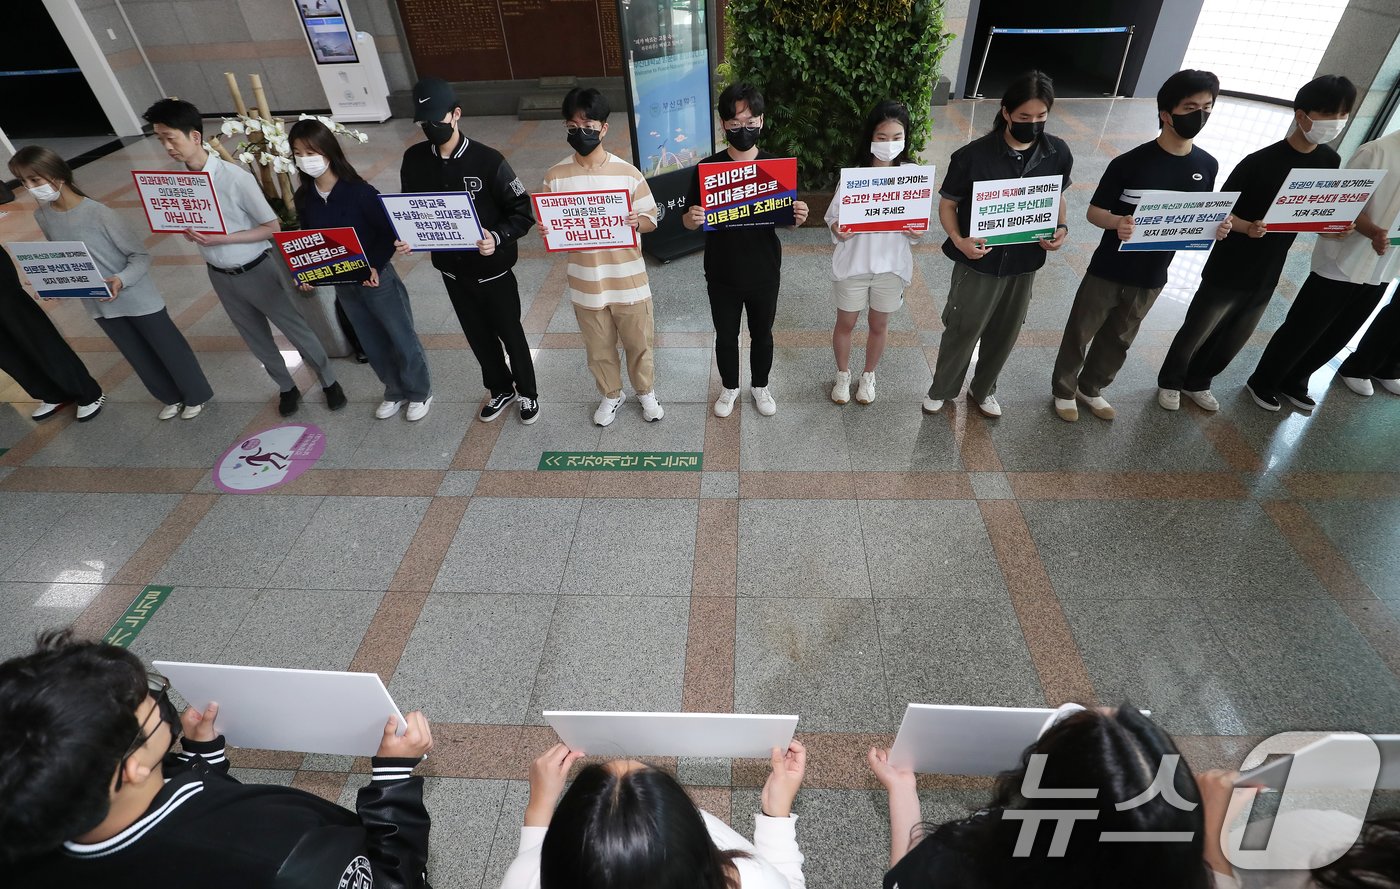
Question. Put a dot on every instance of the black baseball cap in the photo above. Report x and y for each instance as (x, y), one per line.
(433, 99)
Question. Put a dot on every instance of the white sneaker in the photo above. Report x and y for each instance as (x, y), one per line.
(724, 405)
(88, 411)
(417, 410)
(1205, 399)
(1066, 409)
(1391, 386)
(763, 400)
(1098, 406)
(607, 410)
(841, 392)
(1359, 385)
(990, 407)
(191, 411)
(47, 409)
(170, 411)
(1169, 399)
(651, 408)
(865, 390)
(388, 408)
(933, 405)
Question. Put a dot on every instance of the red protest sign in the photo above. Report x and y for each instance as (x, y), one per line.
(178, 201)
(736, 194)
(324, 256)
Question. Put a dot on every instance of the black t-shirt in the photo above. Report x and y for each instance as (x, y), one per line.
(1149, 167)
(1243, 263)
(749, 257)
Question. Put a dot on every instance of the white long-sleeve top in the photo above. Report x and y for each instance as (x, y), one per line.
(1332, 832)
(775, 862)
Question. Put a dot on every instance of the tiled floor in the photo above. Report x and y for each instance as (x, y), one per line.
(1236, 573)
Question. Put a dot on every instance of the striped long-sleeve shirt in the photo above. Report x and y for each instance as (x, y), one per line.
(615, 276)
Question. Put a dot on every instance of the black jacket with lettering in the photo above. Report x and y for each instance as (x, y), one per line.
(502, 203)
(207, 829)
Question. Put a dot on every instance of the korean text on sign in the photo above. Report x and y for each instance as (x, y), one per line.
(885, 199)
(737, 194)
(1178, 220)
(585, 220)
(434, 221)
(1015, 211)
(324, 256)
(60, 269)
(1321, 200)
(179, 201)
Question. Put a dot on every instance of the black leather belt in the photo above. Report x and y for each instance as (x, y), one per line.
(238, 270)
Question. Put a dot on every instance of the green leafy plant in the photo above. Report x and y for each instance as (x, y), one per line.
(823, 64)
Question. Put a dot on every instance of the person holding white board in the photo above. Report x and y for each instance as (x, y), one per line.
(626, 825)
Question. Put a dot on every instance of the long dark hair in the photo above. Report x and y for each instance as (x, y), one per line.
(888, 109)
(318, 137)
(637, 829)
(1373, 862)
(1031, 85)
(1118, 755)
(44, 162)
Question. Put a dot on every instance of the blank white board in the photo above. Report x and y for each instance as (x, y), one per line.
(728, 735)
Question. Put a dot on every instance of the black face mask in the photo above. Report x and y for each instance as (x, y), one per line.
(1189, 124)
(584, 140)
(1026, 131)
(438, 133)
(743, 138)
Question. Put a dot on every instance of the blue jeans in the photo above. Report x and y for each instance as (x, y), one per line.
(383, 320)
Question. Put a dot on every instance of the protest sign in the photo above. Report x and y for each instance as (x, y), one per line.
(1015, 211)
(1321, 200)
(1178, 220)
(729, 735)
(885, 199)
(738, 194)
(59, 269)
(434, 221)
(585, 220)
(179, 201)
(324, 256)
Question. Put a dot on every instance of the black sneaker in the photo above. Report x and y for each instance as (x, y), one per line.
(287, 404)
(1300, 399)
(492, 409)
(1267, 400)
(335, 396)
(529, 410)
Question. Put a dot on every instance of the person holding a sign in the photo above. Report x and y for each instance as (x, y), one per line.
(333, 195)
(627, 825)
(743, 266)
(608, 287)
(95, 793)
(1350, 273)
(255, 293)
(133, 316)
(480, 282)
(1240, 274)
(1015, 176)
(1120, 287)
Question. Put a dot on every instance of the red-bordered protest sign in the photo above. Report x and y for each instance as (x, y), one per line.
(737, 194)
(324, 256)
(585, 220)
(1321, 200)
(178, 201)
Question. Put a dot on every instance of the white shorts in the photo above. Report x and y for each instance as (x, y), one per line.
(881, 293)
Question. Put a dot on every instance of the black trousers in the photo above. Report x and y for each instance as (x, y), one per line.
(728, 302)
(1378, 353)
(489, 312)
(1218, 323)
(36, 355)
(1325, 315)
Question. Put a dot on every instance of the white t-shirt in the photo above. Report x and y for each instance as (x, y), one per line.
(774, 860)
(1353, 258)
(868, 253)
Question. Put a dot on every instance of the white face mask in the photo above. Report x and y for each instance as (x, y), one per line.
(1324, 131)
(887, 151)
(45, 193)
(313, 165)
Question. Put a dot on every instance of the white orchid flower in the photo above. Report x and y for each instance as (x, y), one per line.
(246, 157)
(361, 138)
(253, 125)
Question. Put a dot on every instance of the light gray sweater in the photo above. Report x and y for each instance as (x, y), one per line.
(115, 248)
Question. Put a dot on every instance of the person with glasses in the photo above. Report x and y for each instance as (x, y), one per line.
(743, 266)
(609, 287)
(95, 794)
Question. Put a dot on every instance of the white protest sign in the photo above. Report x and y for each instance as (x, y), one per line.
(309, 711)
(434, 221)
(729, 735)
(1336, 752)
(886, 199)
(585, 220)
(1015, 211)
(947, 739)
(1178, 220)
(179, 201)
(1321, 200)
(59, 269)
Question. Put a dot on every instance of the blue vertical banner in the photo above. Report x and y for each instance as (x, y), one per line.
(666, 67)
